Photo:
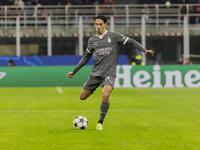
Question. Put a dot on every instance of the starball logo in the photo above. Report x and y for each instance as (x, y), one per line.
(157, 78)
(2, 74)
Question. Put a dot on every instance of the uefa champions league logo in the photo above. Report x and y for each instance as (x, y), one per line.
(2, 74)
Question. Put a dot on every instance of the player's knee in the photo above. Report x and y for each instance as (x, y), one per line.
(105, 97)
(82, 97)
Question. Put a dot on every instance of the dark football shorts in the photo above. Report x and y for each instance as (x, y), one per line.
(93, 82)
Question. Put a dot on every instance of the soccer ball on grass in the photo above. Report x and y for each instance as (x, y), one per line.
(80, 122)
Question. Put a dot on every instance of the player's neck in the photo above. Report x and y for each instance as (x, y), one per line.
(102, 33)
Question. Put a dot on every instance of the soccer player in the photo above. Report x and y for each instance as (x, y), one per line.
(104, 46)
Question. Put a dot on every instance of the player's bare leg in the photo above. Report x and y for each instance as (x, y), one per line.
(85, 94)
(107, 89)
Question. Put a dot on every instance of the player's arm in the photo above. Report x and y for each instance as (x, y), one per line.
(82, 62)
(121, 39)
(138, 46)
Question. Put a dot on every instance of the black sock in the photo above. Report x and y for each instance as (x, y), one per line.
(103, 111)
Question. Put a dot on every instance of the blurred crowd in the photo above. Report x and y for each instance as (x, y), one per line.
(91, 2)
(183, 10)
(22, 3)
(108, 4)
(168, 1)
(56, 2)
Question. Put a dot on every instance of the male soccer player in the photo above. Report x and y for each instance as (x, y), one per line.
(104, 46)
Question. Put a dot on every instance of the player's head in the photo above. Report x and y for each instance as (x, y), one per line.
(11, 63)
(100, 24)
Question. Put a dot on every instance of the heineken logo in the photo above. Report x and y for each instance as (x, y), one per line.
(2, 74)
(157, 78)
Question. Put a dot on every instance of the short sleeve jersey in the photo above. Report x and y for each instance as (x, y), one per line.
(105, 51)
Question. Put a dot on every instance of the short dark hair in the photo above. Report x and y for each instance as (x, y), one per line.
(102, 17)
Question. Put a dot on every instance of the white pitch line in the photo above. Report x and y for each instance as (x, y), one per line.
(72, 111)
(59, 89)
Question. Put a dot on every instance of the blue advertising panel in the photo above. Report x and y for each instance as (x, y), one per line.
(51, 60)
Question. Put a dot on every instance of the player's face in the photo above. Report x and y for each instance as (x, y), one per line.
(100, 26)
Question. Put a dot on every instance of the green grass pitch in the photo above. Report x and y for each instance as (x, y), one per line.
(138, 119)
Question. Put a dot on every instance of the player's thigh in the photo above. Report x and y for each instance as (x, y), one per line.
(92, 83)
(90, 86)
(85, 94)
(109, 80)
(108, 85)
(107, 89)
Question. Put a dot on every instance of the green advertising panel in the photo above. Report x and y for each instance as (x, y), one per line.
(127, 76)
(41, 76)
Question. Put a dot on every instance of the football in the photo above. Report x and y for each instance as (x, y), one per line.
(80, 122)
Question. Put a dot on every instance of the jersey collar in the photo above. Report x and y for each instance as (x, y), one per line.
(101, 36)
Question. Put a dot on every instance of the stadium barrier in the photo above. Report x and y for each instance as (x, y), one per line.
(52, 60)
(127, 76)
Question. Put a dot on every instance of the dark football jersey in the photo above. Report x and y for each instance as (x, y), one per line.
(105, 51)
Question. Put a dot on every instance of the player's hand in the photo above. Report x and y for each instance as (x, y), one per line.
(149, 51)
(70, 74)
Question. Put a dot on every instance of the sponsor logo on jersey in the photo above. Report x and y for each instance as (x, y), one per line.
(104, 51)
(95, 43)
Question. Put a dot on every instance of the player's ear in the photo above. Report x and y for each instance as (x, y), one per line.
(105, 24)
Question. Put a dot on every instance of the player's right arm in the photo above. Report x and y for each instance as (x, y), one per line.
(83, 61)
(70, 74)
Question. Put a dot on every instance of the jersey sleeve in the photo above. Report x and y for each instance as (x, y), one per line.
(135, 44)
(90, 47)
(85, 58)
(122, 39)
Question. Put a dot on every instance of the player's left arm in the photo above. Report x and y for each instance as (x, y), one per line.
(139, 46)
(121, 39)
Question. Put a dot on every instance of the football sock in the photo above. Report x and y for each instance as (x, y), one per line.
(103, 111)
